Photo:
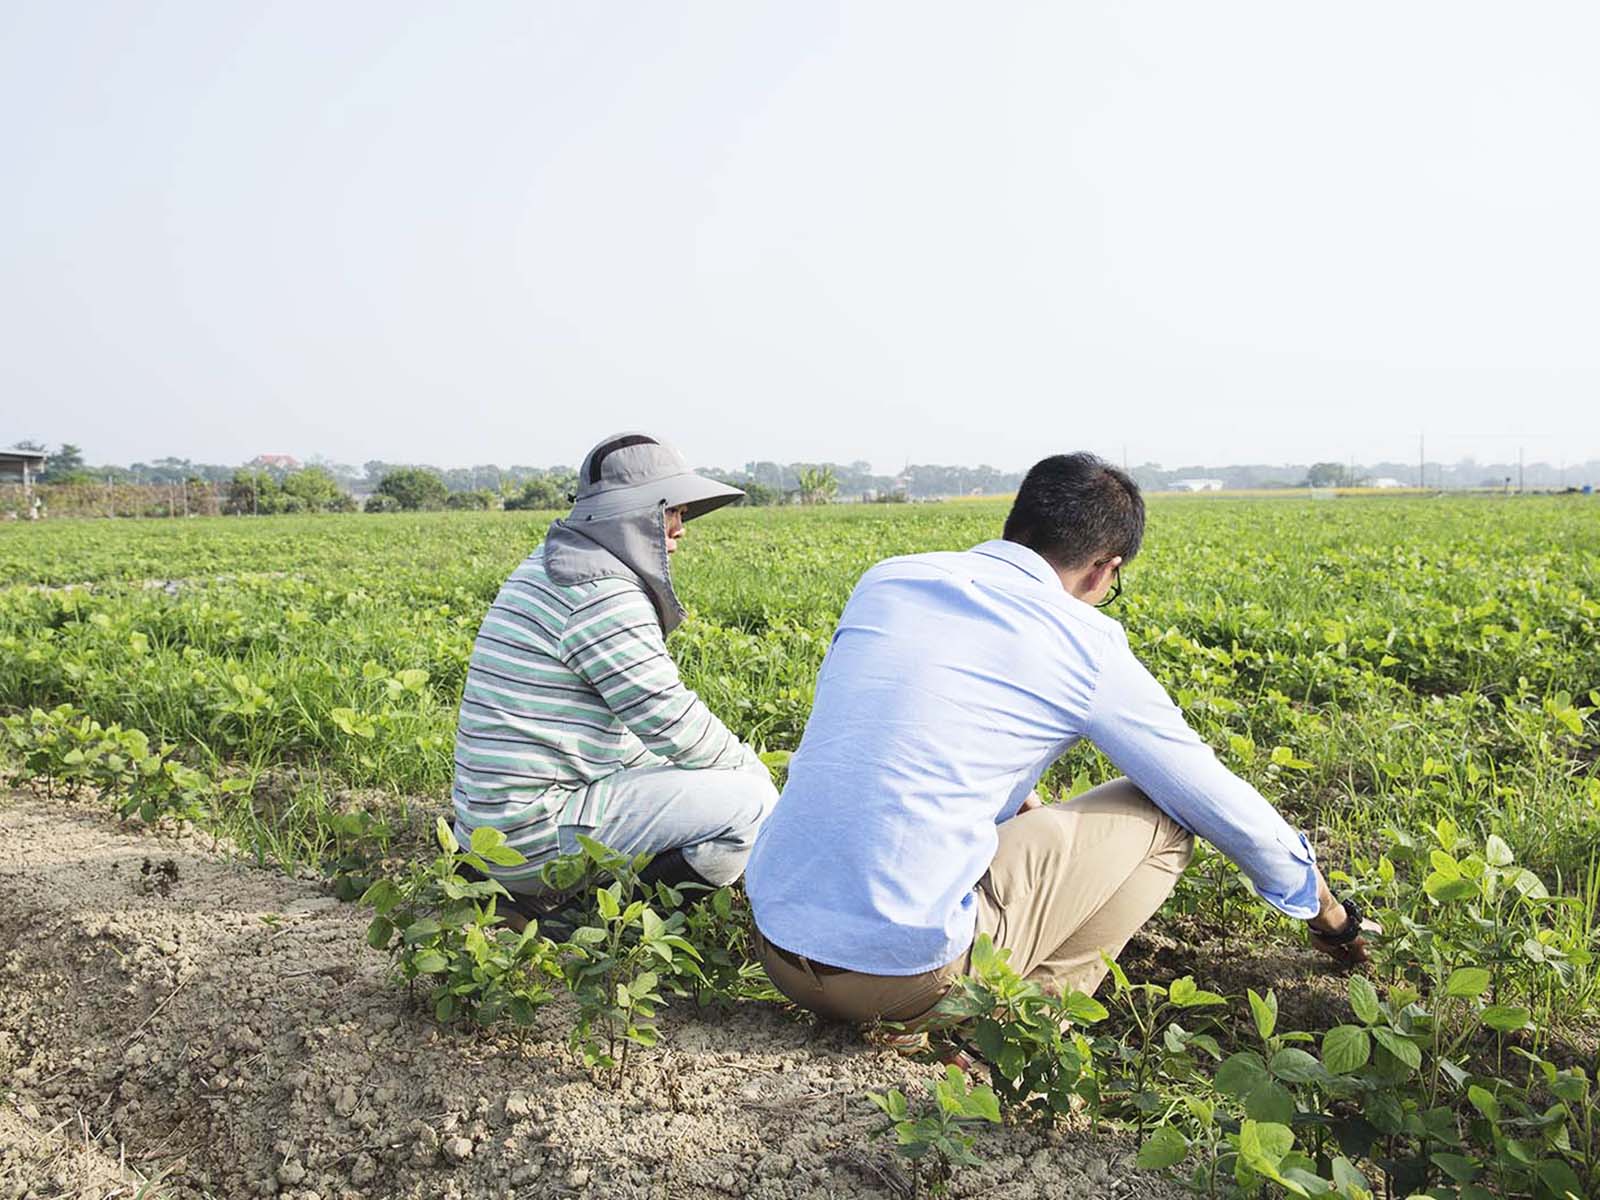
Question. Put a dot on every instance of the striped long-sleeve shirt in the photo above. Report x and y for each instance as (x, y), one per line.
(567, 686)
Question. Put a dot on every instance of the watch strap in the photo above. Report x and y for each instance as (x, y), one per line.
(1348, 933)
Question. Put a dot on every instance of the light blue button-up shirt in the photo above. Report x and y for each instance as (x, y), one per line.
(953, 681)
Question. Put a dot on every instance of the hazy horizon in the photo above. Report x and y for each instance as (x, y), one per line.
(930, 233)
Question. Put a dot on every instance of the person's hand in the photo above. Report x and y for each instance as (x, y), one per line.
(1031, 803)
(1351, 953)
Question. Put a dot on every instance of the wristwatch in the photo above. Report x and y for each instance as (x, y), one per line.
(1353, 916)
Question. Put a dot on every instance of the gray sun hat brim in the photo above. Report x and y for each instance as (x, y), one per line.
(696, 494)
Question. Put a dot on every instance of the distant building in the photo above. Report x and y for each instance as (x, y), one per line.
(21, 466)
(1198, 485)
(277, 462)
(1387, 482)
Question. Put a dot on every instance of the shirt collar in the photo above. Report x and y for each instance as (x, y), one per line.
(1029, 562)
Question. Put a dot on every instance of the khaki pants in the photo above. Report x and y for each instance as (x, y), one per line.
(1067, 882)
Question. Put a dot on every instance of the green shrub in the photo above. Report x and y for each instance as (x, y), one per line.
(941, 1139)
(442, 930)
(623, 957)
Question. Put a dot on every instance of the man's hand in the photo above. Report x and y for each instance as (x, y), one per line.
(1332, 920)
(1346, 954)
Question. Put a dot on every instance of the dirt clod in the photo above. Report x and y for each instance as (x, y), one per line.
(158, 878)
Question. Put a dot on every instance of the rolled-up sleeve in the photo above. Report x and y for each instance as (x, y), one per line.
(1139, 728)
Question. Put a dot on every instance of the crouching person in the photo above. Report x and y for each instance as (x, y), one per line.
(574, 720)
(909, 823)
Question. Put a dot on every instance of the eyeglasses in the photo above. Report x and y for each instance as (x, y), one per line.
(1116, 586)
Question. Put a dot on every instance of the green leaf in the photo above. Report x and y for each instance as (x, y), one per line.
(1457, 1166)
(1530, 885)
(1347, 1177)
(982, 1104)
(1346, 1048)
(383, 895)
(1403, 1048)
(1265, 1011)
(892, 1102)
(1119, 977)
(606, 900)
(1295, 1066)
(1364, 1000)
(1163, 1148)
(1507, 1018)
(353, 723)
(1270, 1102)
(430, 962)
(1264, 1143)
(1081, 1009)
(379, 932)
(1497, 852)
(1443, 887)
(1484, 1101)
(447, 839)
(1186, 994)
(503, 856)
(1284, 757)
(1467, 981)
(1241, 1074)
(1559, 1177)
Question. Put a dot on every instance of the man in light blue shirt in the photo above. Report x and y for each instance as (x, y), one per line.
(909, 823)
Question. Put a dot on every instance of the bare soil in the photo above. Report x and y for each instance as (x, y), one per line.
(173, 1020)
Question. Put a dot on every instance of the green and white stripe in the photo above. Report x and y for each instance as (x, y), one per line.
(566, 687)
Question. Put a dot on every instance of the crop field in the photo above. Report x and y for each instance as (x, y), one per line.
(1416, 682)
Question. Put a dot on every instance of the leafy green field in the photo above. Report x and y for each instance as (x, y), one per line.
(1413, 680)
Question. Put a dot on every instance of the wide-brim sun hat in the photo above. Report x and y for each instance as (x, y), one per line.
(633, 472)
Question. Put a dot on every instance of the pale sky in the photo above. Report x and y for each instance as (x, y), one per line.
(479, 232)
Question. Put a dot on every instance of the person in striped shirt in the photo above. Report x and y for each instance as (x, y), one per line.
(574, 719)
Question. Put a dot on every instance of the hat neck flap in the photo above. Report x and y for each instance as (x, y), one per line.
(632, 546)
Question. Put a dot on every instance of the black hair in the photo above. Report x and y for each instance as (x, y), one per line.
(1074, 509)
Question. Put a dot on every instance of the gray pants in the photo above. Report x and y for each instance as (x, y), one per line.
(711, 816)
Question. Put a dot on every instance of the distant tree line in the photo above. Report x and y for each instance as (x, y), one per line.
(273, 484)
